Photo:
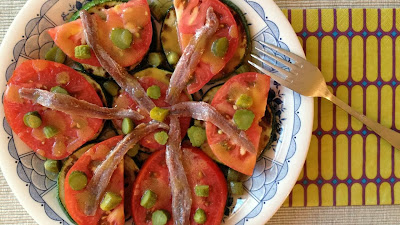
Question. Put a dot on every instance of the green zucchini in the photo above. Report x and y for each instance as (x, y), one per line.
(267, 123)
(130, 172)
(169, 36)
(96, 6)
(159, 8)
(68, 163)
(170, 43)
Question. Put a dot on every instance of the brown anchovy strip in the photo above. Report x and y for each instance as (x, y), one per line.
(191, 57)
(180, 189)
(102, 175)
(205, 112)
(126, 81)
(74, 106)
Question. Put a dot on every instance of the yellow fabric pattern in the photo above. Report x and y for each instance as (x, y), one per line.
(357, 51)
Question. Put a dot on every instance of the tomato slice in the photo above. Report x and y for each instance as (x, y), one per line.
(256, 86)
(148, 78)
(73, 130)
(87, 164)
(200, 170)
(133, 15)
(192, 16)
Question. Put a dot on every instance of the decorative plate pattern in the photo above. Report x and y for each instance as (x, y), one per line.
(276, 170)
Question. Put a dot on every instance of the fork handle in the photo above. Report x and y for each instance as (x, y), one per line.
(389, 135)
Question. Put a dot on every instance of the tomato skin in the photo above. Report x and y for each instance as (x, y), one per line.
(133, 15)
(44, 75)
(116, 185)
(200, 169)
(125, 101)
(192, 16)
(255, 85)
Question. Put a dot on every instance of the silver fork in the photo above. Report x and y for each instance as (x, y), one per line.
(306, 79)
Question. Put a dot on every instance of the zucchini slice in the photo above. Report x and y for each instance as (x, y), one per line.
(68, 163)
(170, 43)
(97, 6)
(159, 8)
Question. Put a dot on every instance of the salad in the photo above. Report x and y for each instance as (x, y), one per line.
(121, 109)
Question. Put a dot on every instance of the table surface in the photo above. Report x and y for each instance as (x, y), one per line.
(11, 211)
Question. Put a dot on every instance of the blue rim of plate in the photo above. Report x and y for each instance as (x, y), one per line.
(261, 186)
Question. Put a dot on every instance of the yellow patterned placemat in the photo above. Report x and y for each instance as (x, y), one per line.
(358, 51)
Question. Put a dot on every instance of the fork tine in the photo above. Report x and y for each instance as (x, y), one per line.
(282, 51)
(284, 62)
(272, 75)
(277, 68)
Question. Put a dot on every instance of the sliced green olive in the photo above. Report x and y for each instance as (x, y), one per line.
(82, 52)
(154, 92)
(197, 135)
(172, 58)
(77, 180)
(111, 87)
(243, 119)
(127, 125)
(59, 90)
(161, 137)
(160, 217)
(159, 114)
(200, 216)
(148, 199)
(55, 54)
(202, 190)
(50, 131)
(52, 166)
(244, 101)
(220, 47)
(32, 119)
(155, 59)
(122, 38)
(110, 201)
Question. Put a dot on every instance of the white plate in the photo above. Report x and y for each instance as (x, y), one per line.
(276, 171)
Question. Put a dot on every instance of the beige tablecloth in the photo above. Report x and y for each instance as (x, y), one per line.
(11, 211)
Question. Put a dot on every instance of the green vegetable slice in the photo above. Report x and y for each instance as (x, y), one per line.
(82, 52)
(160, 217)
(122, 38)
(161, 137)
(197, 135)
(149, 199)
(202, 190)
(50, 131)
(200, 216)
(243, 119)
(127, 125)
(77, 180)
(32, 119)
(110, 201)
(154, 92)
(55, 54)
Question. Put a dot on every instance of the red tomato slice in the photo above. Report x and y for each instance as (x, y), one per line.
(133, 15)
(192, 16)
(200, 169)
(125, 101)
(87, 164)
(73, 130)
(256, 86)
